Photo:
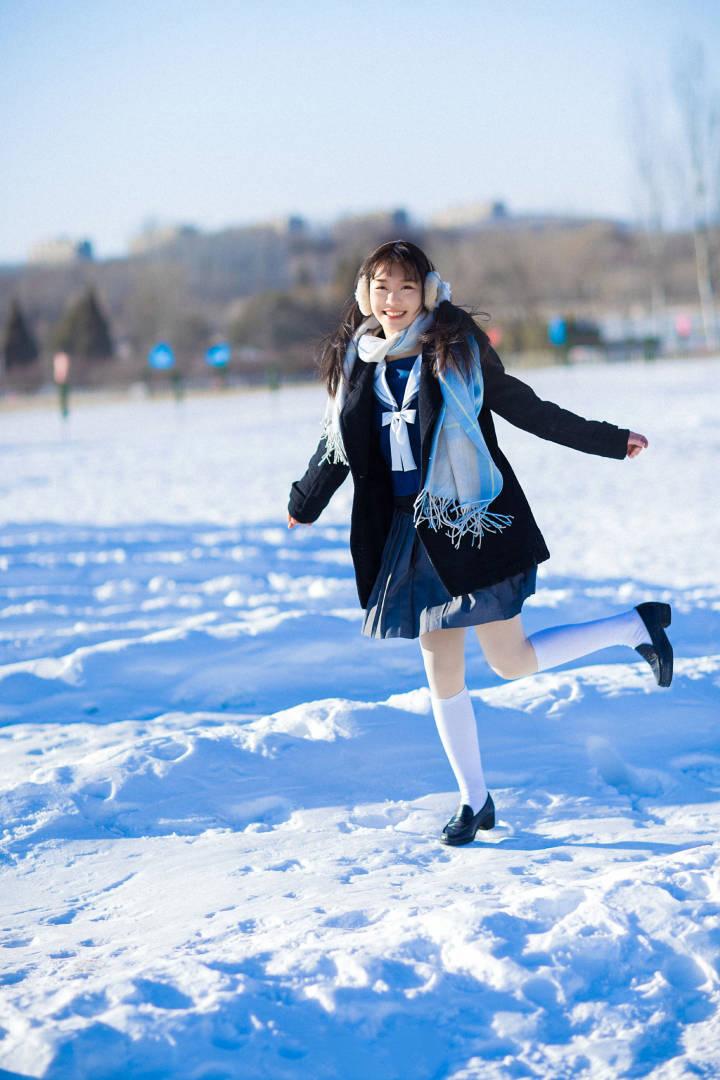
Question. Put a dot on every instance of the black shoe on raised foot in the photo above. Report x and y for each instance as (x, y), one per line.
(659, 655)
(463, 825)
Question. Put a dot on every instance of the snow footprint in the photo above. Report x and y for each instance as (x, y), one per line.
(703, 768)
(380, 817)
(16, 943)
(160, 994)
(98, 789)
(353, 871)
(288, 864)
(169, 749)
(9, 978)
(348, 920)
(617, 773)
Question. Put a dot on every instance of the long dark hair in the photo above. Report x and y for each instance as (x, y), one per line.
(446, 334)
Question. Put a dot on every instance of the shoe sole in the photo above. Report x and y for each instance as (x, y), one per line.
(660, 617)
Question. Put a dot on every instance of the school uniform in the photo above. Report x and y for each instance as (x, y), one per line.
(408, 598)
(430, 583)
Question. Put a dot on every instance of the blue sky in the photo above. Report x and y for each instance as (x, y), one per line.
(217, 112)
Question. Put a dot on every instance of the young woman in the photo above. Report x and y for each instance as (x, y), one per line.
(442, 536)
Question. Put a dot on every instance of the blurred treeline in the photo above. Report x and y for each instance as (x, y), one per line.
(272, 292)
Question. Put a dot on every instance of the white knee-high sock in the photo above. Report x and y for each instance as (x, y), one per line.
(558, 644)
(456, 726)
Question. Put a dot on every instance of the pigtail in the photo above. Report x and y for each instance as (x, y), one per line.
(448, 337)
(332, 348)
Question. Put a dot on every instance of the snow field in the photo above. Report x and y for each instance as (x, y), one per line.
(220, 805)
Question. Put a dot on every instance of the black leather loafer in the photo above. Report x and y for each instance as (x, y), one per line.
(463, 825)
(659, 655)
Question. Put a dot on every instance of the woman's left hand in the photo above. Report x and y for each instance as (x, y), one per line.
(636, 443)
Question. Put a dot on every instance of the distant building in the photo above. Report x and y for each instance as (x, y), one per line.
(544, 219)
(310, 250)
(154, 236)
(470, 215)
(494, 214)
(311, 254)
(289, 225)
(312, 262)
(297, 226)
(380, 224)
(61, 250)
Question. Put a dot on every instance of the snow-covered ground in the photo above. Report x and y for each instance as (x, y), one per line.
(221, 804)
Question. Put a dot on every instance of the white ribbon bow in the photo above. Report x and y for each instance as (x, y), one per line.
(401, 454)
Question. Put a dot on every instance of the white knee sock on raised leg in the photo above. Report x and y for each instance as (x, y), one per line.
(455, 721)
(557, 644)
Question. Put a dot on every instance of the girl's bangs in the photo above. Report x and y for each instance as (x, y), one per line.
(409, 269)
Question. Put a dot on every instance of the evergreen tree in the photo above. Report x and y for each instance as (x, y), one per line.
(84, 331)
(18, 346)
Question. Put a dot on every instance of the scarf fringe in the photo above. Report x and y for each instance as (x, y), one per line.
(473, 518)
(335, 451)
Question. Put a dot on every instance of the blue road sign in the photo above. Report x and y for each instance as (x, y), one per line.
(557, 331)
(218, 355)
(161, 356)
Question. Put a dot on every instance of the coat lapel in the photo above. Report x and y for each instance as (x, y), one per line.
(356, 418)
(430, 401)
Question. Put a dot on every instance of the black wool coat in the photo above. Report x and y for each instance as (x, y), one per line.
(468, 567)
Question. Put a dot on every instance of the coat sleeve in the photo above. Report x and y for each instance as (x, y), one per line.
(518, 403)
(310, 495)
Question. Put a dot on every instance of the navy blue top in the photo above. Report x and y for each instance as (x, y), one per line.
(396, 373)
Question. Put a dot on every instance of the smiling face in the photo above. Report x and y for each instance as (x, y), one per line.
(395, 299)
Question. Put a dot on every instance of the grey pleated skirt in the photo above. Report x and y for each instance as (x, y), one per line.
(409, 599)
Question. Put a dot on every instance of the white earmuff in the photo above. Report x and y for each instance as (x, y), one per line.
(436, 290)
(362, 295)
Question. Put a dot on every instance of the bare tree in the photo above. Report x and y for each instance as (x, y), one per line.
(647, 150)
(698, 109)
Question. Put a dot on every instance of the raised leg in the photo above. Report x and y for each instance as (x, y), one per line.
(511, 654)
(557, 644)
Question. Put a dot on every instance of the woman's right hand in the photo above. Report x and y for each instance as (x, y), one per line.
(292, 522)
(636, 443)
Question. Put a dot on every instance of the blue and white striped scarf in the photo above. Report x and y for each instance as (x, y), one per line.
(462, 479)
